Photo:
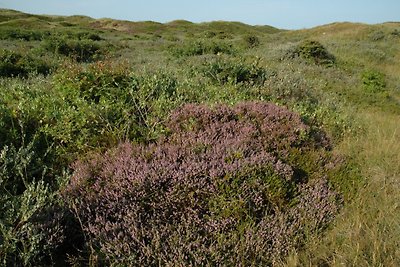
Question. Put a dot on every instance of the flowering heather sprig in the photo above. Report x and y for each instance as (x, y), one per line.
(220, 189)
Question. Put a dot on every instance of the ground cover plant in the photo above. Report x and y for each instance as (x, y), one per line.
(142, 143)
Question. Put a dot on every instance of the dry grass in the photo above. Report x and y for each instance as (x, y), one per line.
(368, 230)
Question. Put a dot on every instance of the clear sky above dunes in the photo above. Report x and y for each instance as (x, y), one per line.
(287, 14)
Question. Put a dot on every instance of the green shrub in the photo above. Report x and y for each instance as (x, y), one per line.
(15, 64)
(251, 41)
(103, 104)
(84, 108)
(196, 48)
(87, 36)
(395, 33)
(314, 52)
(81, 50)
(24, 195)
(22, 34)
(373, 81)
(8, 125)
(210, 34)
(222, 71)
(23, 111)
(376, 36)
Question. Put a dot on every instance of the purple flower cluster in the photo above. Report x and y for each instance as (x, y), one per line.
(218, 189)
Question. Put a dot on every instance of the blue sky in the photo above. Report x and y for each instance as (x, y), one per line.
(287, 14)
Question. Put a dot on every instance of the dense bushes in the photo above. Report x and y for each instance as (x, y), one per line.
(35, 228)
(30, 173)
(82, 35)
(23, 195)
(16, 64)
(81, 50)
(222, 71)
(220, 189)
(44, 127)
(312, 51)
(85, 108)
(201, 47)
(40, 35)
(22, 34)
(104, 103)
(251, 41)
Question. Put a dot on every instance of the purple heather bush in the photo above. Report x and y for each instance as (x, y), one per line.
(223, 187)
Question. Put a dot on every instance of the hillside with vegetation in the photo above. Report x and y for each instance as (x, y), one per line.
(198, 144)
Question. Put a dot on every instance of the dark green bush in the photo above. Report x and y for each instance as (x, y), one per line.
(210, 34)
(15, 64)
(40, 35)
(222, 71)
(81, 50)
(22, 34)
(33, 223)
(395, 33)
(87, 36)
(196, 48)
(251, 41)
(314, 52)
(218, 34)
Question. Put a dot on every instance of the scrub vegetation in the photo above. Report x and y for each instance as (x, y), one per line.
(212, 144)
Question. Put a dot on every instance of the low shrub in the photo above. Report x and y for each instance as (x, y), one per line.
(40, 35)
(24, 196)
(103, 103)
(210, 34)
(8, 130)
(220, 189)
(222, 71)
(87, 36)
(218, 34)
(22, 34)
(33, 222)
(196, 48)
(377, 35)
(95, 81)
(15, 64)
(251, 41)
(373, 81)
(312, 51)
(395, 33)
(84, 50)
